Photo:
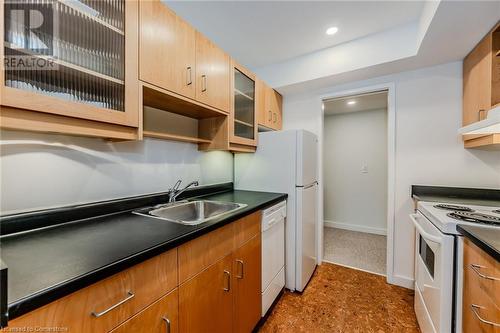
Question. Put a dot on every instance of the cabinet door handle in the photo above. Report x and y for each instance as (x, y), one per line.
(189, 79)
(227, 281)
(274, 117)
(476, 268)
(241, 266)
(480, 112)
(270, 115)
(475, 309)
(102, 313)
(167, 324)
(203, 83)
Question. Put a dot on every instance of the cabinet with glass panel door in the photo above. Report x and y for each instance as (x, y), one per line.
(70, 63)
(243, 122)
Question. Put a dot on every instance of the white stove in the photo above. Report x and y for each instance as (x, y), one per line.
(446, 216)
(439, 260)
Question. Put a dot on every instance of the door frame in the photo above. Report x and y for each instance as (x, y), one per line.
(390, 87)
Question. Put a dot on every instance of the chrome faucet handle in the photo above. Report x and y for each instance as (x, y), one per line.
(176, 186)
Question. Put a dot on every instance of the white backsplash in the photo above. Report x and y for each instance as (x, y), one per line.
(48, 170)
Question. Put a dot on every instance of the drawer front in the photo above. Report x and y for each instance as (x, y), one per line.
(107, 303)
(160, 317)
(198, 254)
(483, 270)
(480, 314)
(246, 228)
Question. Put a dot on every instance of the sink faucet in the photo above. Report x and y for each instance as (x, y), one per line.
(174, 192)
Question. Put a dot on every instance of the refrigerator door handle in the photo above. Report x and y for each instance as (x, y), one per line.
(310, 185)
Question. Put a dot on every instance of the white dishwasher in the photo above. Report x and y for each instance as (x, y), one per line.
(273, 253)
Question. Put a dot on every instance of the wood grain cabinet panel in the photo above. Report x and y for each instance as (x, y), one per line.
(481, 290)
(206, 301)
(247, 272)
(212, 74)
(160, 317)
(85, 310)
(198, 254)
(167, 49)
(477, 82)
(246, 228)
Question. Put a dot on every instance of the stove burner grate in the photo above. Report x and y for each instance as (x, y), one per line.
(454, 208)
(475, 217)
(496, 211)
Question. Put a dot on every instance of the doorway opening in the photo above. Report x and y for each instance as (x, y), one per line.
(355, 180)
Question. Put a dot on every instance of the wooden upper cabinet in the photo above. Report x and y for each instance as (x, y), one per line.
(247, 285)
(481, 78)
(274, 111)
(166, 49)
(91, 73)
(206, 300)
(260, 104)
(477, 82)
(160, 317)
(212, 74)
(243, 120)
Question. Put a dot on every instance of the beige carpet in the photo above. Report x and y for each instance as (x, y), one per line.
(343, 300)
(355, 249)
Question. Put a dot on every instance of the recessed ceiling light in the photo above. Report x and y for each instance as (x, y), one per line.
(332, 30)
(351, 102)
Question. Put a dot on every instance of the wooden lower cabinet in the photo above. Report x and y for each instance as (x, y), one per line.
(205, 301)
(160, 317)
(247, 285)
(481, 291)
(209, 284)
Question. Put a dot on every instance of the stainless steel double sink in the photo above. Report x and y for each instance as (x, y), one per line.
(191, 212)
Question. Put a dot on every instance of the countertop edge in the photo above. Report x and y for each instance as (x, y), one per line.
(486, 247)
(46, 296)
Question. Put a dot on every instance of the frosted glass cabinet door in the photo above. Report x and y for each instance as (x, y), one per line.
(69, 58)
(244, 123)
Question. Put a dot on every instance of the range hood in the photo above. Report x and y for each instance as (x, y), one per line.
(490, 125)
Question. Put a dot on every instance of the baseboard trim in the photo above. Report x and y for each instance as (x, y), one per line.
(355, 227)
(352, 267)
(402, 281)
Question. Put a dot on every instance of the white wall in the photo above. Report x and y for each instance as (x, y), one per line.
(43, 170)
(428, 106)
(354, 199)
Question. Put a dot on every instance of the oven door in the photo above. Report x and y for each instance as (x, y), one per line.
(433, 276)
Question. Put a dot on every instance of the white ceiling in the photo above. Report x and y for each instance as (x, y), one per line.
(261, 33)
(365, 102)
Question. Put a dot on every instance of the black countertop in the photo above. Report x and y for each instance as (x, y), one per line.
(487, 239)
(461, 195)
(49, 263)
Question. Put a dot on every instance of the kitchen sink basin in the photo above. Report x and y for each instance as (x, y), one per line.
(191, 212)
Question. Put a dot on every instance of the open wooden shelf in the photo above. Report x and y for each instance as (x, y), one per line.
(487, 142)
(169, 101)
(174, 137)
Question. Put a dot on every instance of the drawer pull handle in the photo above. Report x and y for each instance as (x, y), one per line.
(241, 269)
(227, 281)
(189, 80)
(167, 322)
(475, 309)
(476, 268)
(102, 313)
(203, 83)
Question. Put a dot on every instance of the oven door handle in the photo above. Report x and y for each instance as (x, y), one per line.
(422, 232)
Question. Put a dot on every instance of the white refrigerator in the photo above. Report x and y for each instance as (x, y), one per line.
(286, 162)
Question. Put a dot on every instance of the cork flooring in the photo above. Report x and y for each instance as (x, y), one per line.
(340, 299)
